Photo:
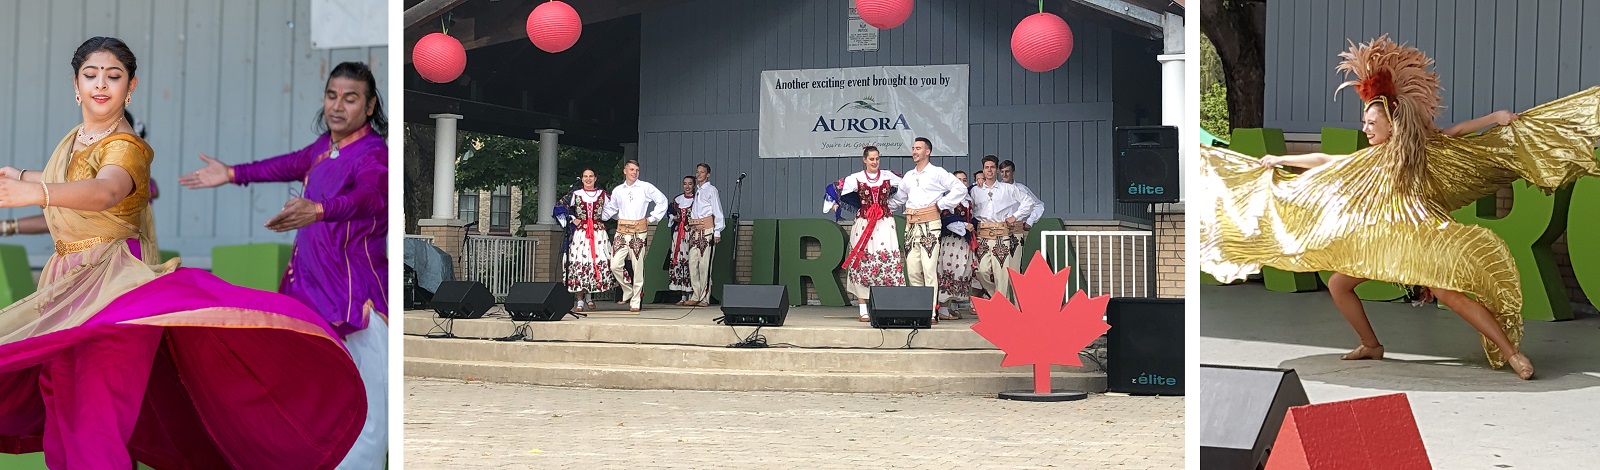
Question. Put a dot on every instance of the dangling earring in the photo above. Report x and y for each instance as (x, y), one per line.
(79, 99)
(127, 101)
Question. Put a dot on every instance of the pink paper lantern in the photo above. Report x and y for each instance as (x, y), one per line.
(1041, 42)
(439, 58)
(554, 26)
(884, 14)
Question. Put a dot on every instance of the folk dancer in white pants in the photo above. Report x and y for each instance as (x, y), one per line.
(1020, 228)
(631, 205)
(996, 207)
(928, 189)
(705, 230)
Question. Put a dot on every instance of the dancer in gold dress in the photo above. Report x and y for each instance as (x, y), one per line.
(1383, 212)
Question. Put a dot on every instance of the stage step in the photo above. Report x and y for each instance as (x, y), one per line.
(681, 378)
(682, 349)
(889, 359)
(700, 331)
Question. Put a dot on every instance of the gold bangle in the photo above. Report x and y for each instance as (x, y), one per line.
(46, 195)
(20, 173)
(319, 211)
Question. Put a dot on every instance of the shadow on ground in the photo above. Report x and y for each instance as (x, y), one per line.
(1426, 348)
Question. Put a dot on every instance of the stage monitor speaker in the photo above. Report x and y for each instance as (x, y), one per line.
(900, 307)
(754, 305)
(1144, 347)
(1241, 410)
(1145, 166)
(538, 301)
(462, 300)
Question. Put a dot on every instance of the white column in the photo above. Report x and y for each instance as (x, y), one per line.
(1175, 110)
(547, 174)
(444, 164)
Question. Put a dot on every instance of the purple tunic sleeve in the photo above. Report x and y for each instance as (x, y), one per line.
(291, 166)
(366, 200)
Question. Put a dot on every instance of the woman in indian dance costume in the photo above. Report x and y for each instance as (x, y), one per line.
(588, 251)
(874, 258)
(339, 265)
(1383, 212)
(117, 357)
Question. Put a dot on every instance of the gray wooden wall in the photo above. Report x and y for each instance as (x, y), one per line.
(1489, 55)
(701, 63)
(235, 79)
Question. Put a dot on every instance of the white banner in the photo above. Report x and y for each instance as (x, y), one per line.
(835, 112)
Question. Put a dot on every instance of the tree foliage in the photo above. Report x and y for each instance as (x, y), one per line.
(499, 161)
(1237, 31)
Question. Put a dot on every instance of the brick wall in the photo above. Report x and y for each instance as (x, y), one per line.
(449, 237)
(1169, 253)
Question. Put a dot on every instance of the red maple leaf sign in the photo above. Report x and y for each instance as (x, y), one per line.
(1044, 330)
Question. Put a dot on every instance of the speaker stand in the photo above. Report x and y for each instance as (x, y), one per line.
(442, 328)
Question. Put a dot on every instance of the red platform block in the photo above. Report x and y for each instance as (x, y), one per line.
(1365, 433)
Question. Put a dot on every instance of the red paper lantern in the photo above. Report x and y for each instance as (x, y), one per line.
(554, 26)
(1041, 42)
(884, 14)
(439, 58)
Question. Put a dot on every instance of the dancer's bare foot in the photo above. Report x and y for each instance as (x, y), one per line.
(1521, 365)
(1364, 352)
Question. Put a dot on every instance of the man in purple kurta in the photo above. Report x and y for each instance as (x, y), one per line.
(340, 266)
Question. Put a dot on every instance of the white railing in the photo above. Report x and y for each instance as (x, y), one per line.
(498, 262)
(1115, 263)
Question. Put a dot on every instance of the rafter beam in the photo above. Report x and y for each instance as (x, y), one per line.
(428, 10)
(1135, 14)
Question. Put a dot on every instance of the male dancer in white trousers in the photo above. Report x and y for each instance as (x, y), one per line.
(996, 207)
(630, 204)
(926, 190)
(705, 230)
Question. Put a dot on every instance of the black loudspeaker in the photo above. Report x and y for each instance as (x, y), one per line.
(900, 307)
(538, 301)
(754, 305)
(1241, 410)
(1144, 347)
(462, 300)
(1145, 167)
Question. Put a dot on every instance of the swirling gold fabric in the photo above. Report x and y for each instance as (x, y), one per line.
(1383, 213)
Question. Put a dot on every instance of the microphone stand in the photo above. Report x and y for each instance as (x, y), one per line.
(738, 185)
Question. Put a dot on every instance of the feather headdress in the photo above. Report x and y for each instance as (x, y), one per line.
(1400, 78)
(1399, 75)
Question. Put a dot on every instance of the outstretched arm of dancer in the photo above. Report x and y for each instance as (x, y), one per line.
(10, 172)
(1308, 160)
(291, 166)
(102, 192)
(1497, 118)
(30, 225)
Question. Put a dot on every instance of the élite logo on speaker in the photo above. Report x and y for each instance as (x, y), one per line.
(1141, 188)
(1153, 379)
